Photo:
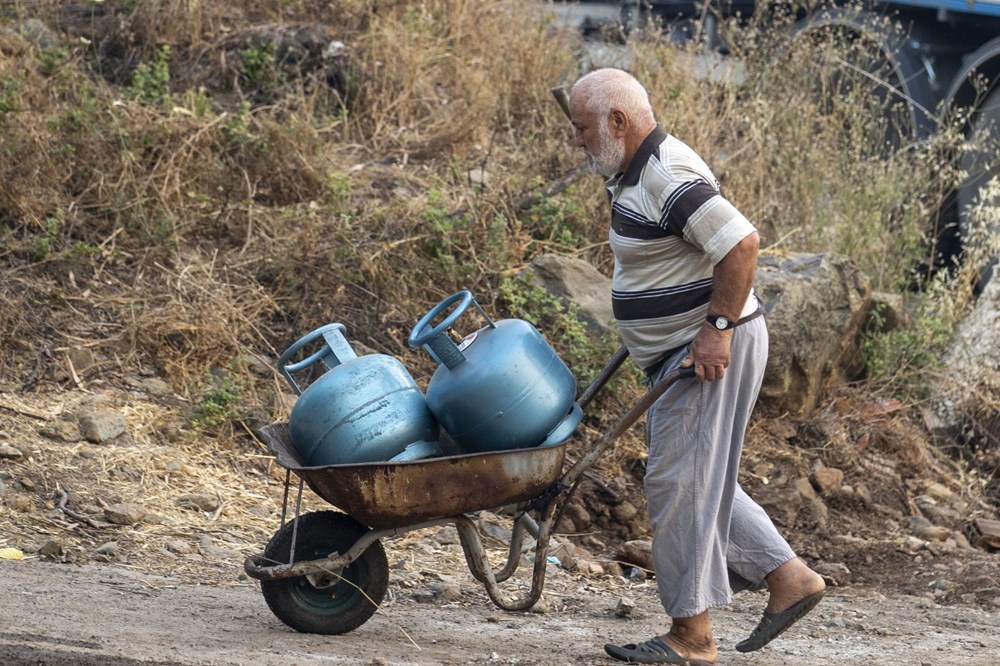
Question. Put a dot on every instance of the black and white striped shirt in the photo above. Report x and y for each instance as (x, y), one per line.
(670, 225)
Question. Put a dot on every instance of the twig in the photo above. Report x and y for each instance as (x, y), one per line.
(15, 410)
(63, 497)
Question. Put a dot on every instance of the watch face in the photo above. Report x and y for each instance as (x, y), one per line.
(721, 323)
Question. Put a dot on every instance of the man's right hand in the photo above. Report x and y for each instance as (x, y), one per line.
(709, 353)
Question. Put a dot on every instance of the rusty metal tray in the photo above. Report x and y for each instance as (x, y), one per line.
(384, 495)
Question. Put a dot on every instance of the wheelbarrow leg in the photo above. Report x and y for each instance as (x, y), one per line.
(475, 555)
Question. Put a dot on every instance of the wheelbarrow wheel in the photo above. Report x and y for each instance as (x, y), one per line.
(334, 602)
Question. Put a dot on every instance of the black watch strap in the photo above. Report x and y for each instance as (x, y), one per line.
(721, 323)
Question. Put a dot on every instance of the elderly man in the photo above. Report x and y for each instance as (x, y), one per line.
(682, 293)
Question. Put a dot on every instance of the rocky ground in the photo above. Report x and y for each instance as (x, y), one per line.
(133, 532)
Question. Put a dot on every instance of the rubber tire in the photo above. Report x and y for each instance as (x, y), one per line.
(987, 119)
(333, 610)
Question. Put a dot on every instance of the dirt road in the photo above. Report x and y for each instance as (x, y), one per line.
(74, 615)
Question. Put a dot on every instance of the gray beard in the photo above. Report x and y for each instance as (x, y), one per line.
(609, 159)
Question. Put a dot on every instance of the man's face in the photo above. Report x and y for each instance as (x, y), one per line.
(594, 134)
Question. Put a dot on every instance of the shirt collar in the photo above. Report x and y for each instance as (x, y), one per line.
(650, 146)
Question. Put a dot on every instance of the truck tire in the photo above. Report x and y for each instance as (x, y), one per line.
(981, 164)
(882, 65)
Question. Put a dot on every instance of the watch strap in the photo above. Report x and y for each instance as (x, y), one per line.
(720, 322)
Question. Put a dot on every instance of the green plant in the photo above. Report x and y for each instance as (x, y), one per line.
(899, 360)
(151, 80)
(219, 400)
(258, 68)
(238, 134)
(51, 59)
(43, 245)
(10, 93)
(338, 188)
(560, 221)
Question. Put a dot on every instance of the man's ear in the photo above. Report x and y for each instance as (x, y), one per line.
(619, 121)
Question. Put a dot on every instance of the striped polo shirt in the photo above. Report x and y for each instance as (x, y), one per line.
(670, 225)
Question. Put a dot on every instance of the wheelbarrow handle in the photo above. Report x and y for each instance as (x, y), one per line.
(625, 422)
(603, 376)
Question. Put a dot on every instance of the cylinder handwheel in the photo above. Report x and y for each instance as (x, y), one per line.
(333, 602)
(312, 336)
(423, 332)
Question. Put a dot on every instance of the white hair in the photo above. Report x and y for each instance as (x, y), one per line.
(608, 88)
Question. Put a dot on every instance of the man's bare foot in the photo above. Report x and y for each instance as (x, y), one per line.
(701, 653)
(790, 583)
(692, 639)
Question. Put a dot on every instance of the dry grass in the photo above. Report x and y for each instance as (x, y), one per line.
(177, 208)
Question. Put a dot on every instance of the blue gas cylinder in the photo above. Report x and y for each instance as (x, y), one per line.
(503, 387)
(361, 409)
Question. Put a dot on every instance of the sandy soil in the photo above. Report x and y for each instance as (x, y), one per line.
(93, 614)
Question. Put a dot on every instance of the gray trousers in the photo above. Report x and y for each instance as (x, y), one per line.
(704, 525)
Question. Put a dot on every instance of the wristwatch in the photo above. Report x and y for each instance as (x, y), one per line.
(720, 322)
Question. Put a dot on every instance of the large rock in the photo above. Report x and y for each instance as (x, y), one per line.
(577, 281)
(816, 305)
(965, 402)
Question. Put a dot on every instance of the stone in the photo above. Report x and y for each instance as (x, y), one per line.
(888, 312)
(62, 430)
(577, 281)
(52, 548)
(935, 533)
(637, 552)
(970, 380)
(939, 492)
(200, 501)
(624, 512)
(827, 480)
(836, 574)
(80, 360)
(625, 608)
(10, 452)
(812, 511)
(578, 516)
(102, 425)
(110, 549)
(151, 385)
(816, 307)
(178, 547)
(124, 513)
(36, 32)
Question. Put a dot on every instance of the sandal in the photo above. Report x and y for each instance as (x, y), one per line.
(773, 624)
(653, 651)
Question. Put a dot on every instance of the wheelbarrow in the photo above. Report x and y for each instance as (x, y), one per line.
(326, 572)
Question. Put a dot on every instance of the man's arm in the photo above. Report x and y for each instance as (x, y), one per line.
(732, 279)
